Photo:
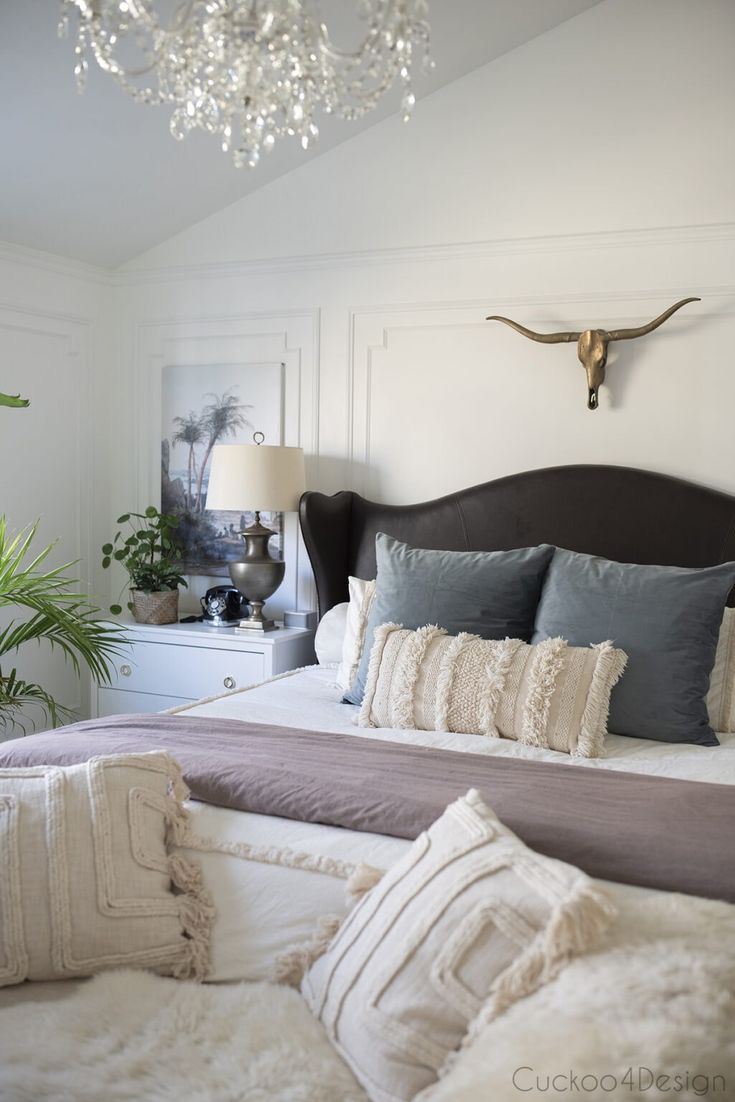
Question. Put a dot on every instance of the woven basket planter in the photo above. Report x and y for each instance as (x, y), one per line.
(161, 607)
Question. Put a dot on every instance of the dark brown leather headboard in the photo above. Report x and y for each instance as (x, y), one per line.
(617, 512)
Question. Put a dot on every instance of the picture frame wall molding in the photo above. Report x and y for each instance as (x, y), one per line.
(373, 330)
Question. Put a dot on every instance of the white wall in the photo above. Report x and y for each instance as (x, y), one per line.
(51, 350)
(586, 179)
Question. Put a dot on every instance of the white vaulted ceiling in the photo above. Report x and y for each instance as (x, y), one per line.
(98, 179)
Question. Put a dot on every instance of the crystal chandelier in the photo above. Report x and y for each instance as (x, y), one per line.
(249, 71)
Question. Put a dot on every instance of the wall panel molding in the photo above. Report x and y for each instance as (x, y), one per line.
(373, 326)
(289, 341)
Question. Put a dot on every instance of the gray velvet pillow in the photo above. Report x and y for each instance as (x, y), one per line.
(493, 594)
(666, 619)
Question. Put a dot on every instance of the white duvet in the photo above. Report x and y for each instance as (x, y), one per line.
(649, 1016)
(308, 698)
(265, 909)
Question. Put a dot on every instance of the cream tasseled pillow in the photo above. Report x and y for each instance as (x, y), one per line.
(468, 922)
(87, 877)
(721, 696)
(549, 695)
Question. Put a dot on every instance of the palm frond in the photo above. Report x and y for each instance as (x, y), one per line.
(16, 694)
(59, 614)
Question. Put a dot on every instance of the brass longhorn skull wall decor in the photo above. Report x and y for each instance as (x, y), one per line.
(592, 344)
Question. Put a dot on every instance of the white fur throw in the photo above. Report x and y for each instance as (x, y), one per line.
(647, 1017)
(549, 695)
(134, 1037)
(469, 921)
(88, 877)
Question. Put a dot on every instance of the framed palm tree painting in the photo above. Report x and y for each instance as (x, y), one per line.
(202, 406)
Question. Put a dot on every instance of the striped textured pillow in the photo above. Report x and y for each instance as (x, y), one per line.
(464, 925)
(549, 695)
(88, 877)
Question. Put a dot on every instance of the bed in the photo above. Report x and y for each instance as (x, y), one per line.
(666, 950)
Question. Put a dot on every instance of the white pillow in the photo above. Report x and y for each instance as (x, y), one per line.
(361, 598)
(466, 924)
(721, 696)
(330, 635)
(88, 876)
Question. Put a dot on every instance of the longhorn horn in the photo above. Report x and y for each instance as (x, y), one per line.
(629, 334)
(543, 338)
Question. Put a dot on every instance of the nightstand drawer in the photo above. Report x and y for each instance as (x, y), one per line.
(186, 672)
(115, 702)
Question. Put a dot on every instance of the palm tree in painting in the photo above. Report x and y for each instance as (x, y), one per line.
(191, 432)
(224, 415)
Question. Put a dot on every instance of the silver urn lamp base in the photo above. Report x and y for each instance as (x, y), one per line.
(257, 575)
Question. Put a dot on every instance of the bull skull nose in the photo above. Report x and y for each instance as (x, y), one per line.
(592, 399)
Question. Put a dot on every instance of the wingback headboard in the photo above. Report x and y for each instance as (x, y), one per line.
(617, 512)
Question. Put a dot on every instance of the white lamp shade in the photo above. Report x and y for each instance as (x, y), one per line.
(256, 476)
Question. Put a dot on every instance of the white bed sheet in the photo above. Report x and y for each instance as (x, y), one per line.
(263, 910)
(309, 699)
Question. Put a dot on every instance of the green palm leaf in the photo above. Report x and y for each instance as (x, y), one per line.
(14, 400)
(58, 614)
(16, 694)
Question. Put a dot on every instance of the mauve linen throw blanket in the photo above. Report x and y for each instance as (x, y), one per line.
(650, 831)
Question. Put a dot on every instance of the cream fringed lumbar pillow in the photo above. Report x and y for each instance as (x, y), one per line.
(548, 695)
(468, 922)
(88, 879)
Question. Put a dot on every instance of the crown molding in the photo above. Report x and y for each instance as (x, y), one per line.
(58, 265)
(440, 253)
(644, 237)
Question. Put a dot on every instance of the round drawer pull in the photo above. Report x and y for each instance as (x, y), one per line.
(229, 682)
(126, 670)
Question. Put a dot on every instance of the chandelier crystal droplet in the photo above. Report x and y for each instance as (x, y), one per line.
(249, 71)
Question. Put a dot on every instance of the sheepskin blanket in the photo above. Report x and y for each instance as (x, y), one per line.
(134, 1037)
(648, 1017)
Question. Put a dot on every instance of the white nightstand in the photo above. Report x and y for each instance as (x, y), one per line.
(177, 663)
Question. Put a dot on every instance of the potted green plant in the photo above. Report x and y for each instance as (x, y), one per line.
(56, 613)
(149, 551)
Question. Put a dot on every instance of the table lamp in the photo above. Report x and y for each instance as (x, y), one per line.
(256, 476)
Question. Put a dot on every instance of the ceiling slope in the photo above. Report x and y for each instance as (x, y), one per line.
(97, 178)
